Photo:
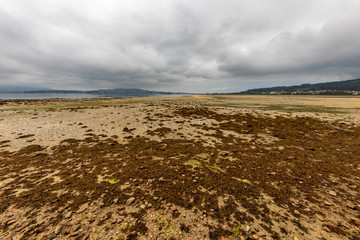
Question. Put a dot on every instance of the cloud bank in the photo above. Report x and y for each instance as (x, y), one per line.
(178, 45)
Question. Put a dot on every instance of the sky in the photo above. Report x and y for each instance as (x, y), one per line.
(178, 45)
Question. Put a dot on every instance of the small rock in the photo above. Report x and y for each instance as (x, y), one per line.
(51, 236)
(284, 206)
(332, 193)
(83, 208)
(155, 198)
(116, 200)
(130, 201)
(58, 229)
(327, 203)
(224, 154)
(351, 206)
(68, 215)
(281, 148)
(74, 234)
(307, 209)
(247, 228)
(174, 209)
(255, 236)
(101, 204)
(142, 206)
(11, 221)
(86, 227)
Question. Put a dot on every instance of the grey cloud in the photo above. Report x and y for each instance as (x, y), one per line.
(177, 45)
(333, 47)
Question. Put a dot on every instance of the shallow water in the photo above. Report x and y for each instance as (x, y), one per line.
(78, 95)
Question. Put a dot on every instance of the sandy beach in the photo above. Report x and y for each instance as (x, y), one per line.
(196, 167)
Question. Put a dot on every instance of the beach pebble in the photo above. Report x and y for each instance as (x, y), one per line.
(11, 221)
(224, 154)
(51, 236)
(83, 208)
(130, 201)
(255, 236)
(68, 215)
(86, 227)
(58, 229)
(351, 205)
(332, 193)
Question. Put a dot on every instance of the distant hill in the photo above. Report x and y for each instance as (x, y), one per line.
(13, 89)
(329, 88)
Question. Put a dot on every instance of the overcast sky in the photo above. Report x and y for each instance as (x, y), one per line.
(178, 45)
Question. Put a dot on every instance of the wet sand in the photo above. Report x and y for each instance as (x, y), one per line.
(200, 167)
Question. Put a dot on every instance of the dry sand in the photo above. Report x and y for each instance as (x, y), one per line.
(200, 167)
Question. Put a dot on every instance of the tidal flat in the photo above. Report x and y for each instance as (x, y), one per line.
(196, 167)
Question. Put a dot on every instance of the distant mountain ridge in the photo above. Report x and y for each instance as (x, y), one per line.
(338, 87)
(14, 89)
(10, 89)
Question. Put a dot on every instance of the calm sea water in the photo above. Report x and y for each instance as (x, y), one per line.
(78, 95)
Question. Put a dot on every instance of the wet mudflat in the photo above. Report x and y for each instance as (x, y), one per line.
(169, 169)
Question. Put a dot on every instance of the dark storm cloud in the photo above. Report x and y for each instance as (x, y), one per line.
(177, 45)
